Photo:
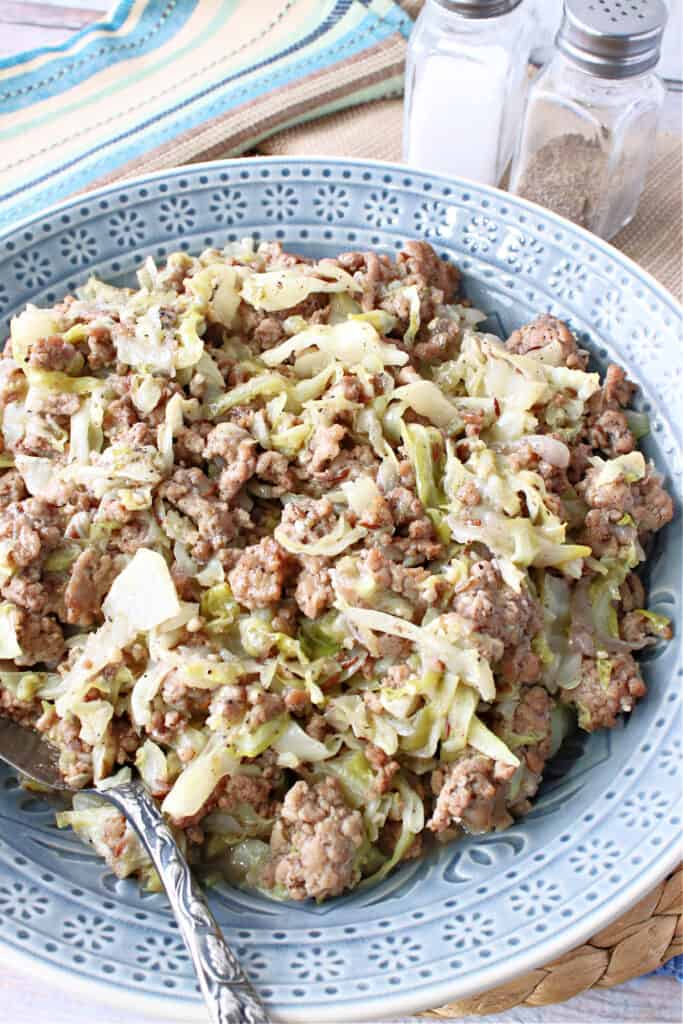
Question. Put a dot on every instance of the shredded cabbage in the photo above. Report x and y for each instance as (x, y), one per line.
(377, 642)
(143, 593)
(199, 779)
(283, 289)
(338, 540)
(352, 342)
(9, 642)
(428, 400)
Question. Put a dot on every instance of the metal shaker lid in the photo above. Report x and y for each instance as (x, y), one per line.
(612, 38)
(479, 8)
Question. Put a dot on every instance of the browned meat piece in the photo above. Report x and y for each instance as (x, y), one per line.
(92, 575)
(56, 404)
(437, 341)
(268, 333)
(286, 615)
(579, 455)
(324, 447)
(617, 493)
(653, 507)
(27, 590)
(307, 520)
(228, 703)
(314, 842)
(606, 533)
(12, 488)
(385, 767)
(645, 501)
(543, 331)
(297, 702)
(606, 426)
(260, 574)
(189, 701)
(611, 433)
(397, 675)
(377, 516)
(122, 846)
(53, 353)
(617, 389)
(274, 468)
(236, 450)
(372, 271)
(601, 696)
(272, 255)
(469, 494)
(405, 506)
(531, 720)
(40, 639)
(314, 593)
(189, 442)
(355, 390)
(377, 271)
(25, 711)
(415, 537)
(120, 415)
(32, 527)
(419, 263)
(351, 462)
(495, 608)
(636, 627)
(101, 348)
(470, 793)
(75, 756)
(264, 707)
(521, 665)
(196, 496)
(554, 477)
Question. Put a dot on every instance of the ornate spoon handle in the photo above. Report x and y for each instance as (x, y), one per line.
(229, 996)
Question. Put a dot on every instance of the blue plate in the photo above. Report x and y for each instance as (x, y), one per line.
(606, 827)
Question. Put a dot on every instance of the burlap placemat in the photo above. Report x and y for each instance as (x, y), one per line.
(654, 238)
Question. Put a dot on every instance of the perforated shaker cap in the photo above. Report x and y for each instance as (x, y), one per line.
(612, 38)
(479, 8)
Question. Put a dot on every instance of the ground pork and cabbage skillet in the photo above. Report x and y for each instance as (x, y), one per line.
(330, 567)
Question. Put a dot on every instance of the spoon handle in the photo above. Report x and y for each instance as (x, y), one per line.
(229, 996)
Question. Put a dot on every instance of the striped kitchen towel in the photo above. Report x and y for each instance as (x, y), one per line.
(166, 82)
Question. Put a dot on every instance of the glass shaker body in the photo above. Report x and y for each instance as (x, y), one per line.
(586, 144)
(465, 90)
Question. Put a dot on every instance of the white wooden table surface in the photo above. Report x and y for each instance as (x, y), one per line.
(24, 999)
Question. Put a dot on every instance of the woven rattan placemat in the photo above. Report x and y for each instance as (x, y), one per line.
(637, 943)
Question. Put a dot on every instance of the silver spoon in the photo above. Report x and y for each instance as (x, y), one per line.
(229, 996)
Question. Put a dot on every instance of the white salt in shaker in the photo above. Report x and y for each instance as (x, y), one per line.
(591, 121)
(466, 76)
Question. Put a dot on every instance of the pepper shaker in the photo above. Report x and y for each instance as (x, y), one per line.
(466, 77)
(591, 120)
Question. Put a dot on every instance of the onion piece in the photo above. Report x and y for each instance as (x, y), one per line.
(549, 449)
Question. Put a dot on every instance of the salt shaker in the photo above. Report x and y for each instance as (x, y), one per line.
(466, 76)
(591, 119)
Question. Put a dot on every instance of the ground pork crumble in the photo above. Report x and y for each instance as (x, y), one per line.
(400, 557)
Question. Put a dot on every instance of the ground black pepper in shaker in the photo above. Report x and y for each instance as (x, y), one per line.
(591, 120)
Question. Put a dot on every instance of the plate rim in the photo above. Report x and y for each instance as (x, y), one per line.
(485, 979)
(178, 1010)
(388, 165)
